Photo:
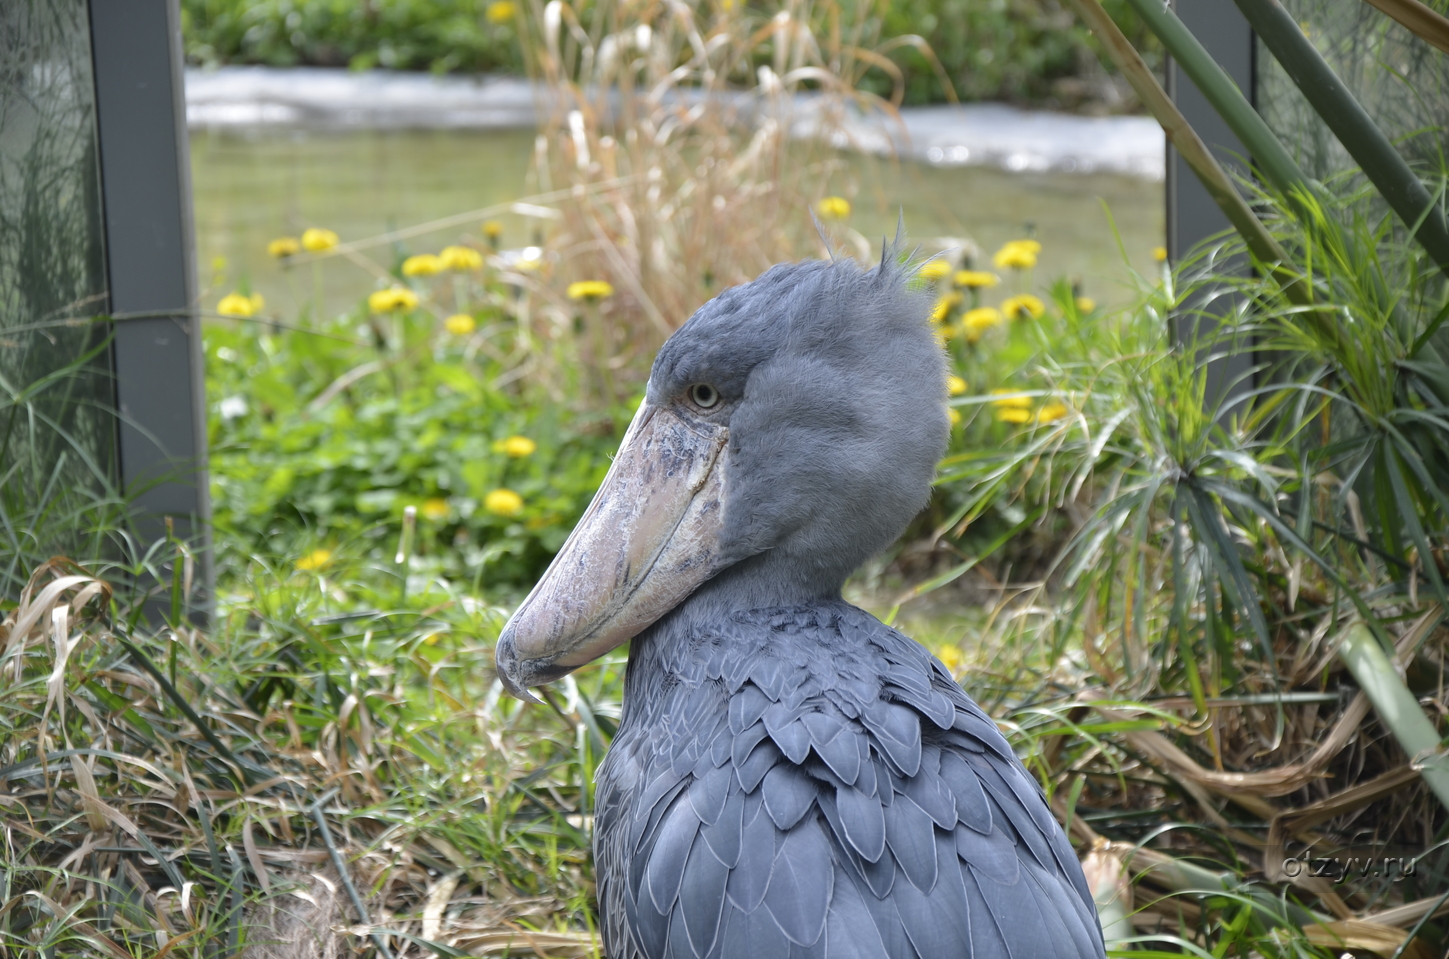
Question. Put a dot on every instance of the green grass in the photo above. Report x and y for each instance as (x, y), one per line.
(1132, 619)
(1145, 587)
(322, 435)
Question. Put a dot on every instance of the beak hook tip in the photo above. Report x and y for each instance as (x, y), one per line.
(516, 691)
(504, 657)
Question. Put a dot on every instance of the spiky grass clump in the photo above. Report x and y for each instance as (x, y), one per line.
(1219, 561)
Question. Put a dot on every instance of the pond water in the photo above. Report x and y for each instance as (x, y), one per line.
(252, 186)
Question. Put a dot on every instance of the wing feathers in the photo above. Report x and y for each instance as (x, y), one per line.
(669, 854)
(850, 929)
(789, 794)
(701, 897)
(825, 792)
(862, 821)
(912, 839)
(751, 875)
(801, 884)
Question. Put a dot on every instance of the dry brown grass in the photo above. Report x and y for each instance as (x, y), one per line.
(159, 798)
(694, 139)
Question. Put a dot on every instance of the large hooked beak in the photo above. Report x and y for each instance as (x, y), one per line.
(650, 537)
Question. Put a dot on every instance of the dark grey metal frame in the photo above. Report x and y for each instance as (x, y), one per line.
(146, 193)
(1192, 216)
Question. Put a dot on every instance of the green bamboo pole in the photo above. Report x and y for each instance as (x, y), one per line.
(1396, 706)
(1189, 145)
(1268, 153)
(1348, 120)
(1263, 145)
(1181, 134)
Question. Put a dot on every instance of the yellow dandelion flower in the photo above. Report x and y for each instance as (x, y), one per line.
(318, 240)
(976, 279)
(954, 415)
(944, 306)
(1013, 415)
(501, 11)
(460, 324)
(1017, 255)
(283, 247)
(950, 657)
(590, 290)
(503, 502)
(492, 229)
(979, 320)
(955, 386)
(461, 258)
(434, 509)
(424, 264)
(1010, 401)
(392, 300)
(833, 208)
(1085, 304)
(1019, 307)
(315, 559)
(1051, 412)
(518, 446)
(1159, 253)
(234, 304)
(934, 270)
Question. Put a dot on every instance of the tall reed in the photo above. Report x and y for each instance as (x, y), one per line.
(695, 138)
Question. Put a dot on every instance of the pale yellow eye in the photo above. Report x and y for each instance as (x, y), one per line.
(703, 395)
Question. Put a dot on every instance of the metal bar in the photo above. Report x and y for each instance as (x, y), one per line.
(1193, 216)
(146, 194)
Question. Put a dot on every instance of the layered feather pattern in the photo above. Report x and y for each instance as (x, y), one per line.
(807, 782)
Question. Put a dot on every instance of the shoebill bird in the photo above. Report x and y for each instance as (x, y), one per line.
(791, 777)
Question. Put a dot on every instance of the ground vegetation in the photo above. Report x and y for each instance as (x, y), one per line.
(1208, 614)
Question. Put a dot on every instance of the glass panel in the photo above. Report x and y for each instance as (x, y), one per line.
(57, 428)
(1401, 81)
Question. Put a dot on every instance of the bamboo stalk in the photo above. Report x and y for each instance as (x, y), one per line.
(1268, 153)
(1348, 120)
(1396, 706)
(1424, 22)
(1180, 133)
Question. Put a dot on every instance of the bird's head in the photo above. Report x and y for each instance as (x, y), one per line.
(790, 430)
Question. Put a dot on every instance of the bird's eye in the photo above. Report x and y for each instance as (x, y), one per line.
(703, 395)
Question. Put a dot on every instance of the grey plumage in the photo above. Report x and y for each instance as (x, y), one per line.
(944, 848)
(791, 777)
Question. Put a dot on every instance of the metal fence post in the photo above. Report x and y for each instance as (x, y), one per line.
(146, 191)
(1192, 216)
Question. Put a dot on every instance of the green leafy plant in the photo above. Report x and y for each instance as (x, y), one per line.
(443, 36)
